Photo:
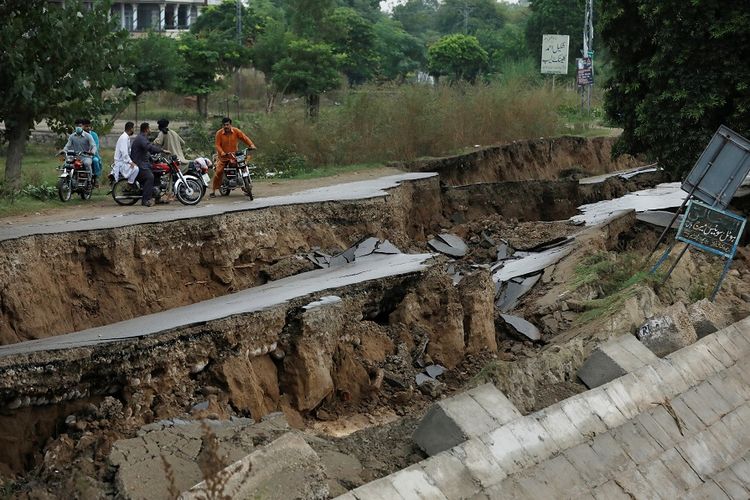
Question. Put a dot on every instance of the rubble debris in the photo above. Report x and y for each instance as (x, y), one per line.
(669, 331)
(140, 472)
(529, 263)
(504, 251)
(522, 326)
(449, 244)
(286, 468)
(659, 218)
(328, 299)
(623, 174)
(513, 290)
(434, 371)
(667, 195)
(546, 245)
(706, 318)
(614, 359)
(363, 248)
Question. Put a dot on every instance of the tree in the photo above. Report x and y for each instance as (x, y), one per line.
(221, 19)
(679, 70)
(43, 78)
(417, 17)
(308, 70)
(353, 37)
(460, 57)
(208, 58)
(503, 46)
(399, 52)
(271, 47)
(306, 16)
(468, 16)
(153, 63)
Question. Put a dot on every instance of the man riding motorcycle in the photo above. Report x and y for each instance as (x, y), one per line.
(227, 139)
(140, 155)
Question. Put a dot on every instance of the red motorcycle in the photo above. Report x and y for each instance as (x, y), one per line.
(74, 177)
(187, 188)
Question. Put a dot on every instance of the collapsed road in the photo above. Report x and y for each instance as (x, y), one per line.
(222, 312)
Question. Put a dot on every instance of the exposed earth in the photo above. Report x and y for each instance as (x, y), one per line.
(346, 364)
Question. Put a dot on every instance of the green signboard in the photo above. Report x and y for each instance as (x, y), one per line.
(711, 229)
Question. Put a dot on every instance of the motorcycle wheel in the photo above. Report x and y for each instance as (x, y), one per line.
(182, 191)
(247, 187)
(224, 191)
(122, 197)
(85, 193)
(64, 189)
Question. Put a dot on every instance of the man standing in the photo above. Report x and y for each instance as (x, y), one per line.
(170, 139)
(124, 166)
(97, 163)
(227, 139)
(139, 154)
(81, 141)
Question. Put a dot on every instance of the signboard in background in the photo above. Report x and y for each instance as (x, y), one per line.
(711, 229)
(721, 169)
(555, 54)
(584, 71)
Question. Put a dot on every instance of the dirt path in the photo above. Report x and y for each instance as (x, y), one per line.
(261, 189)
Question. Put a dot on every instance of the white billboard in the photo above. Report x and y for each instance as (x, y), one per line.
(555, 54)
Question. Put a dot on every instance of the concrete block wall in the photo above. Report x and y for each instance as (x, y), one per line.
(677, 427)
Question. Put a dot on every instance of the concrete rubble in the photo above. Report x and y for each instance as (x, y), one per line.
(285, 468)
(139, 462)
(449, 244)
(669, 331)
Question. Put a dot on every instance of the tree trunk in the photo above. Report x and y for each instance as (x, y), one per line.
(136, 111)
(202, 103)
(270, 99)
(313, 106)
(17, 131)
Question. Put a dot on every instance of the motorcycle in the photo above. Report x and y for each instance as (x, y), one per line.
(74, 178)
(237, 174)
(187, 188)
(199, 170)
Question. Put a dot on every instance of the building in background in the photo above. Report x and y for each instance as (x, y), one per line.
(165, 16)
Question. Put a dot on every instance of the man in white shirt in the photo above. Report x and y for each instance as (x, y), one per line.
(124, 166)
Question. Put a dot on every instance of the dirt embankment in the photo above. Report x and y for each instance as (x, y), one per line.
(538, 159)
(55, 284)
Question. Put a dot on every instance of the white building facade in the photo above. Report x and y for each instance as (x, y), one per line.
(166, 15)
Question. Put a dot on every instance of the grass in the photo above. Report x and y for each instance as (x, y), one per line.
(617, 275)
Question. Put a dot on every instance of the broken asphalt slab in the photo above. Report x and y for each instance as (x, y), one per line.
(259, 298)
(449, 244)
(668, 195)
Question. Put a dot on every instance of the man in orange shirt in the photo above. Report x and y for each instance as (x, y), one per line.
(227, 139)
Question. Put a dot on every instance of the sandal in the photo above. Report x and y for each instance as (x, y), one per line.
(212, 195)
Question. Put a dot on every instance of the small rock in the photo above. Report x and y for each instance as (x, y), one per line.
(516, 348)
(564, 306)
(207, 390)
(324, 416)
(734, 273)
(745, 297)
(278, 354)
(575, 305)
(70, 420)
(431, 388)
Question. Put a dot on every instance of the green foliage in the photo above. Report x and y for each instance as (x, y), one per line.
(222, 20)
(399, 53)
(154, 63)
(306, 16)
(271, 46)
(679, 70)
(460, 57)
(280, 161)
(469, 16)
(308, 70)
(503, 46)
(41, 192)
(418, 17)
(48, 70)
(352, 37)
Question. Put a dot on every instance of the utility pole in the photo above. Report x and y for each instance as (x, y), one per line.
(239, 42)
(588, 47)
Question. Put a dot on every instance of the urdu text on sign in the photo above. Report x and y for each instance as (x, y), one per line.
(555, 54)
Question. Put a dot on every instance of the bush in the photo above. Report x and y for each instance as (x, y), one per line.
(42, 192)
(280, 162)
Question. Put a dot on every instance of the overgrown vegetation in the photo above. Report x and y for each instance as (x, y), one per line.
(615, 275)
